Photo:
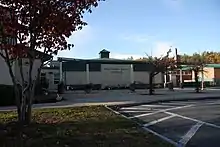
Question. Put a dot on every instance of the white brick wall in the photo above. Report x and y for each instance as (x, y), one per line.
(5, 77)
(75, 78)
(114, 74)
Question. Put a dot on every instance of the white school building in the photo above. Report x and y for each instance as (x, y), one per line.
(101, 72)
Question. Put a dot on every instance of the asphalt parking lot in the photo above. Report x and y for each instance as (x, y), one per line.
(190, 123)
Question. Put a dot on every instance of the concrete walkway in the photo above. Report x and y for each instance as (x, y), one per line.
(116, 97)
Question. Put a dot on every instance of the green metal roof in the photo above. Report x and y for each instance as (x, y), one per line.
(103, 60)
(187, 67)
(213, 65)
(104, 51)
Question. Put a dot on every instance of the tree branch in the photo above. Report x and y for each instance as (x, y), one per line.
(155, 73)
(21, 71)
(2, 55)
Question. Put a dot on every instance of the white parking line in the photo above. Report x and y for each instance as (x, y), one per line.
(130, 111)
(207, 102)
(196, 120)
(179, 103)
(211, 103)
(185, 139)
(164, 110)
(157, 106)
(147, 129)
(135, 108)
(161, 136)
(158, 120)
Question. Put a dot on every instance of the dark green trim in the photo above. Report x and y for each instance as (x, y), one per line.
(213, 65)
(104, 61)
(95, 67)
(74, 66)
(104, 51)
(50, 67)
(188, 67)
(142, 67)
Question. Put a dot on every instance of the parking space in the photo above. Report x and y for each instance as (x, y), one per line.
(190, 123)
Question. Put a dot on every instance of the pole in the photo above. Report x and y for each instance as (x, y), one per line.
(87, 74)
(202, 86)
(131, 74)
(165, 80)
(61, 71)
(181, 78)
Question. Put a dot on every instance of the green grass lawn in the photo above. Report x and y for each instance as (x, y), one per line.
(75, 127)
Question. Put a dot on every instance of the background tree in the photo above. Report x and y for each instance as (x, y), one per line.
(196, 63)
(34, 25)
(159, 65)
(130, 58)
(210, 57)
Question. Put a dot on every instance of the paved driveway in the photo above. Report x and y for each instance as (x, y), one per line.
(191, 124)
(140, 96)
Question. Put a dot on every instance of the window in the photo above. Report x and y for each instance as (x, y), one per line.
(187, 72)
(43, 75)
(174, 72)
(56, 78)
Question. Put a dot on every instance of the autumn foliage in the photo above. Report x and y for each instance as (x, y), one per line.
(161, 64)
(43, 23)
(27, 26)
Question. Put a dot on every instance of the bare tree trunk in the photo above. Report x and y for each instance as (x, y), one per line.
(151, 76)
(29, 94)
(17, 87)
(23, 106)
(28, 107)
(26, 92)
(31, 91)
(196, 82)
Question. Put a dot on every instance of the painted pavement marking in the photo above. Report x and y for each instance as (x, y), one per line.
(158, 120)
(208, 102)
(185, 139)
(157, 106)
(130, 111)
(163, 110)
(146, 129)
(161, 136)
(196, 120)
(135, 108)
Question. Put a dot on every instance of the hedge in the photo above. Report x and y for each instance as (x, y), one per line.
(7, 95)
(193, 84)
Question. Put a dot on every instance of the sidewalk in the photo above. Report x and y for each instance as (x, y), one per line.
(140, 96)
(117, 97)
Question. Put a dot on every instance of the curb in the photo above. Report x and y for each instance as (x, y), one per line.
(165, 100)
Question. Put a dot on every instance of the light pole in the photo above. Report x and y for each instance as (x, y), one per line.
(179, 66)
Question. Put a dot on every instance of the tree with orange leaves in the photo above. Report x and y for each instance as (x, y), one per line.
(159, 65)
(29, 25)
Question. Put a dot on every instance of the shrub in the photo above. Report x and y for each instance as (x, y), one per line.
(7, 95)
(61, 88)
(193, 84)
(40, 85)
